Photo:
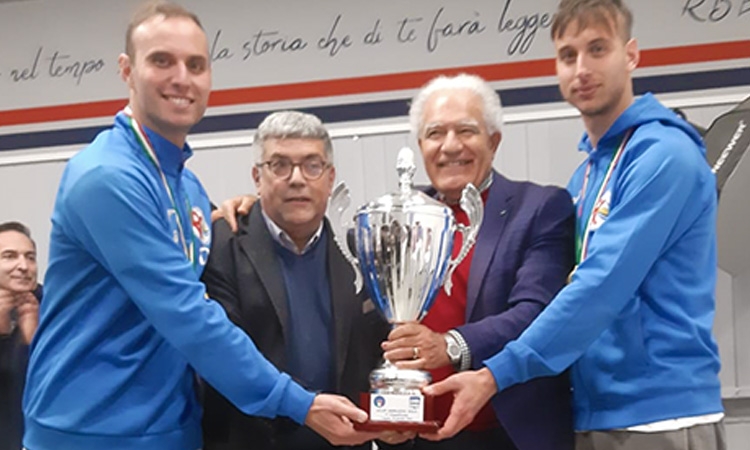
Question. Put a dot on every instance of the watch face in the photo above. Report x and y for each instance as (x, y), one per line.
(453, 350)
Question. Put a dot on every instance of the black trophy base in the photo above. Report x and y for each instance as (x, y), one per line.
(429, 425)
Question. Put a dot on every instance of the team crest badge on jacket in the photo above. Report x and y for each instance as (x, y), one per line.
(200, 226)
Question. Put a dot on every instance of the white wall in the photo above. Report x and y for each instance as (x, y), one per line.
(543, 151)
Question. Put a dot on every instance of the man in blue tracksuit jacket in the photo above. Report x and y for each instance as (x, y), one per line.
(634, 323)
(127, 324)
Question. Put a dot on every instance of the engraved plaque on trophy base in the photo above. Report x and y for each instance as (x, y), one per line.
(395, 401)
(398, 412)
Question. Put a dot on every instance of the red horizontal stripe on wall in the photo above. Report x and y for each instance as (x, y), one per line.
(695, 53)
(375, 83)
(62, 112)
(379, 83)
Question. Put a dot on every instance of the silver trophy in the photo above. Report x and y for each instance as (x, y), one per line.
(404, 242)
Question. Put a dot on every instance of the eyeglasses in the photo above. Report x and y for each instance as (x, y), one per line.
(311, 169)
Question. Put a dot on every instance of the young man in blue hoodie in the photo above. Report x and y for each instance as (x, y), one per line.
(126, 323)
(634, 323)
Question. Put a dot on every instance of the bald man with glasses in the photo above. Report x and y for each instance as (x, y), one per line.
(282, 279)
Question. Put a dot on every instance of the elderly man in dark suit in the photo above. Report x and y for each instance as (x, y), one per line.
(282, 279)
(522, 257)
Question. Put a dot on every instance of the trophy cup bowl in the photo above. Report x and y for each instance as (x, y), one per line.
(404, 242)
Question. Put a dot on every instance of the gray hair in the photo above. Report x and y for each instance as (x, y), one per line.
(292, 125)
(17, 227)
(492, 108)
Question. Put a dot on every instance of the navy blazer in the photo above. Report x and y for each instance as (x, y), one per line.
(522, 257)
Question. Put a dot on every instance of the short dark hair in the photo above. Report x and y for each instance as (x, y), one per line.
(18, 227)
(151, 9)
(586, 12)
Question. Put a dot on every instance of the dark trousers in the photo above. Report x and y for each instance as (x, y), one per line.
(303, 438)
(495, 439)
(269, 434)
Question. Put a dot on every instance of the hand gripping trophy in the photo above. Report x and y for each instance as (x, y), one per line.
(404, 242)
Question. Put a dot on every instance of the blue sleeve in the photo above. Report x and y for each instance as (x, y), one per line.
(652, 189)
(117, 219)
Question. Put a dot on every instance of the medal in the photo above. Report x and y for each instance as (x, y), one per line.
(148, 149)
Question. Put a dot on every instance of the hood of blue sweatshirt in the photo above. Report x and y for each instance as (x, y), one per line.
(645, 109)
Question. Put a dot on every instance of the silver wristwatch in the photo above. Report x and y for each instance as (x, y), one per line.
(453, 349)
(458, 350)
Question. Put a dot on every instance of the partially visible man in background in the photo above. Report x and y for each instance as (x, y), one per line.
(19, 317)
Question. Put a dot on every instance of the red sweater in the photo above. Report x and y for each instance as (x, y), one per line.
(449, 312)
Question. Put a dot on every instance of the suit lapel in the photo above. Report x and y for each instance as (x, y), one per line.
(257, 244)
(497, 210)
(345, 305)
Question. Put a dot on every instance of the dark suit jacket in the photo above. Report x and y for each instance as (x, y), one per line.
(522, 257)
(14, 358)
(244, 275)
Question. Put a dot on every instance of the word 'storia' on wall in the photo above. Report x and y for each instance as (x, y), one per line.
(347, 49)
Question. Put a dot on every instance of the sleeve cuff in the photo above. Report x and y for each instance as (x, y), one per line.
(505, 367)
(296, 401)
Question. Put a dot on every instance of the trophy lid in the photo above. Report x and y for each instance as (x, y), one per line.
(406, 199)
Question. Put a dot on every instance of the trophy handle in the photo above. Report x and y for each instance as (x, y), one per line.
(340, 201)
(471, 203)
